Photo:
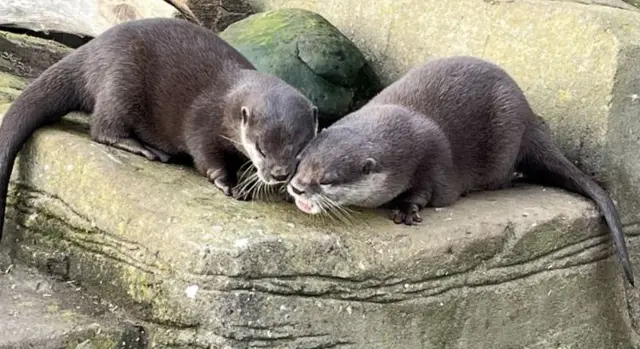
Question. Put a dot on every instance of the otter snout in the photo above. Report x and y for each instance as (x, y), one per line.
(280, 173)
(304, 200)
(275, 174)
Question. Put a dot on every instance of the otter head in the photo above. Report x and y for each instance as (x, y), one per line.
(274, 129)
(340, 167)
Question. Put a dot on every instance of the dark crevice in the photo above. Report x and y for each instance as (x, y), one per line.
(67, 39)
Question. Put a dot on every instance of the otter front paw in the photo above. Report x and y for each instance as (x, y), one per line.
(220, 179)
(406, 213)
(242, 195)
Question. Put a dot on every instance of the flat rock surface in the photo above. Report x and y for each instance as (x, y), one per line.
(39, 312)
(531, 264)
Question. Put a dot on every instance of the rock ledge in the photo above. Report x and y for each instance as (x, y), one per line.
(526, 267)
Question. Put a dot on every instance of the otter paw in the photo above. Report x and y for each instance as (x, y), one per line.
(220, 180)
(159, 154)
(406, 213)
(237, 194)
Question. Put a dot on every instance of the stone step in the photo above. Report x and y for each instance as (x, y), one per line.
(528, 267)
(38, 311)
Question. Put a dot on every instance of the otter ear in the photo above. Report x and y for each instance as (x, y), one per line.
(369, 165)
(245, 114)
(314, 114)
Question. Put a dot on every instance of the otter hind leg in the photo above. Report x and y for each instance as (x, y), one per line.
(136, 147)
(110, 125)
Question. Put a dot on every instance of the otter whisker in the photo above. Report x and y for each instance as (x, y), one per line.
(247, 185)
(246, 168)
(344, 209)
(260, 191)
(244, 180)
(348, 213)
(254, 187)
(324, 208)
(331, 208)
(257, 185)
(273, 190)
(246, 163)
(231, 140)
(343, 213)
(267, 189)
(250, 169)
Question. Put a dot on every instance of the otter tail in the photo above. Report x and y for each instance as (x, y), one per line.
(56, 92)
(541, 160)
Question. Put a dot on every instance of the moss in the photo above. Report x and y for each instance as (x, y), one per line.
(10, 88)
(98, 341)
(138, 282)
(103, 342)
(52, 308)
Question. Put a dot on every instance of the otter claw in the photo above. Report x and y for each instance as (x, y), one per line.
(226, 189)
(236, 194)
(407, 214)
(220, 181)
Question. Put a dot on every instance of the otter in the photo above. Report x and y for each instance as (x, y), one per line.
(162, 87)
(448, 127)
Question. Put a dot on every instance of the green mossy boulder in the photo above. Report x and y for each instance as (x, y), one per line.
(308, 52)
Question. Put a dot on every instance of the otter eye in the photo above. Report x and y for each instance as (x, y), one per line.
(328, 180)
(259, 150)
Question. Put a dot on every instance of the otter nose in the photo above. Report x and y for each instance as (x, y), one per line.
(280, 173)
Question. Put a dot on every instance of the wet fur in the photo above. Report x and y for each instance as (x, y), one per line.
(165, 87)
(446, 128)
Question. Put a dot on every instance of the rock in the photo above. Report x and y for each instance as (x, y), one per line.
(22, 59)
(219, 14)
(635, 3)
(79, 17)
(25, 57)
(309, 53)
(525, 267)
(39, 312)
(10, 88)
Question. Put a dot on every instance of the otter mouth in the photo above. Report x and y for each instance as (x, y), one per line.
(306, 206)
(269, 180)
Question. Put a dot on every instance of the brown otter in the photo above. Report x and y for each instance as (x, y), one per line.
(164, 87)
(450, 126)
